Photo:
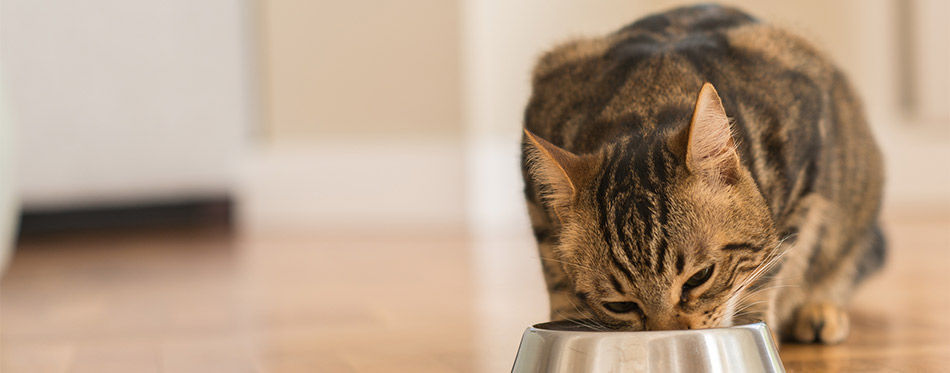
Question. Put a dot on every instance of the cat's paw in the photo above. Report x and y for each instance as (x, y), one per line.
(821, 323)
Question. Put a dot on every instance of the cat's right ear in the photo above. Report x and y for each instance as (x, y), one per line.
(560, 173)
(710, 149)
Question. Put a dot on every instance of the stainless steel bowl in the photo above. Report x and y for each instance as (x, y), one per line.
(565, 346)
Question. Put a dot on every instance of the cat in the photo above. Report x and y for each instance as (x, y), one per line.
(698, 168)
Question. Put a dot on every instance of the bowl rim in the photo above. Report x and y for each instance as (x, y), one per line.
(541, 327)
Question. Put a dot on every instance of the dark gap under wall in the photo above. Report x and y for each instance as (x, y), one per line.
(192, 212)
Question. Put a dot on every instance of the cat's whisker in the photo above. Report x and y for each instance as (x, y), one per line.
(771, 259)
(577, 321)
(600, 326)
(751, 296)
(746, 307)
(774, 253)
(759, 291)
(585, 323)
(588, 323)
(747, 314)
(742, 307)
(751, 309)
(754, 292)
(766, 285)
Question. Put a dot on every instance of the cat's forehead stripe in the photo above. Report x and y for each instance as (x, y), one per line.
(616, 284)
(631, 196)
(741, 246)
(603, 205)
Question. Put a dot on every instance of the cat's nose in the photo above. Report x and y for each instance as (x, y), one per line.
(667, 323)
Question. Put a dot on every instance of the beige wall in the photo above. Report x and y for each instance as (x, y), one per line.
(344, 69)
(502, 39)
(929, 70)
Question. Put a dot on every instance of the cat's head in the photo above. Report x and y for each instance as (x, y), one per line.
(663, 233)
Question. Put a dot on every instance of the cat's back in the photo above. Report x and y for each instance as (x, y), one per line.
(692, 21)
(589, 92)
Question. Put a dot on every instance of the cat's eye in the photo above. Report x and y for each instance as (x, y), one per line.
(699, 278)
(622, 307)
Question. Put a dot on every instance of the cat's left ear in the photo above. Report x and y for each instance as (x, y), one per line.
(560, 173)
(710, 150)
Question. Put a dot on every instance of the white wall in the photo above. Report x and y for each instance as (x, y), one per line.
(370, 186)
(9, 207)
(121, 101)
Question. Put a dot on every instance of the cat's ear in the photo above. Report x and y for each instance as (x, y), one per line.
(710, 149)
(560, 172)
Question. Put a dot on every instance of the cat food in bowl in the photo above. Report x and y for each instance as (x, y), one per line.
(568, 346)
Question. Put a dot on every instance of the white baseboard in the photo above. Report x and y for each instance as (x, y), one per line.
(354, 184)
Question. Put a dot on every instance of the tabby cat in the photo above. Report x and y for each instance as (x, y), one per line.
(696, 168)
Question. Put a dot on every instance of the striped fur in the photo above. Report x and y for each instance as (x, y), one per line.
(790, 234)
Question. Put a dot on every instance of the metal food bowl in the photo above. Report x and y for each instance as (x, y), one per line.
(567, 346)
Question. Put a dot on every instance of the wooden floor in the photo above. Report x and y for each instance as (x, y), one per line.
(212, 300)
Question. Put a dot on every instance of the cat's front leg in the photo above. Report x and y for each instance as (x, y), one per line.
(821, 316)
(821, 322)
